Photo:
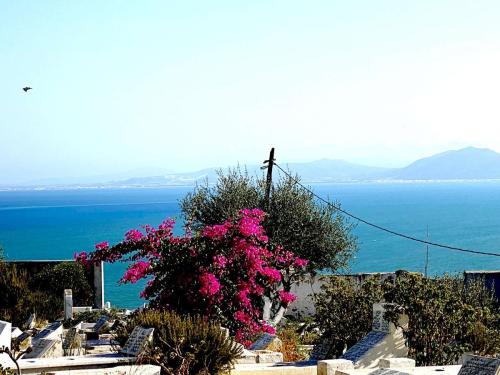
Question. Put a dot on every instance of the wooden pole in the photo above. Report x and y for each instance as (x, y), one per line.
(269, 179)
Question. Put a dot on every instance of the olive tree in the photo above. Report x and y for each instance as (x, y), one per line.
(294, 220)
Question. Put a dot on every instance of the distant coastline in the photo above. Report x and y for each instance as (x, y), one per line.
(193, 185)
(466, 165)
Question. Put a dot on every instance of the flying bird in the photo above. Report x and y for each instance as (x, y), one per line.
(27, 88)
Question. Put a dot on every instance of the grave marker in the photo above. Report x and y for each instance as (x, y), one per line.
(51, 331)
(379, 324)
(137, 340)
(320, 350)
(355, 352)
(101, 322)
(266, 342)
(68, 304)
(43, 348)
(475, 365)
(30, 323)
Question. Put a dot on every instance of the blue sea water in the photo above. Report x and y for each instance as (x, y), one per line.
(55, 224)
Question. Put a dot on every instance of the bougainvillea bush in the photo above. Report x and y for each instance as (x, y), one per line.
(221, 272)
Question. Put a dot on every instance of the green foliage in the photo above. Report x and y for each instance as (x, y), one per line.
(446, 318)
(18, 301)
(65, 275)
(344, 310)
(43, 293)
(295, 220)
(184, 345)
(94, 315)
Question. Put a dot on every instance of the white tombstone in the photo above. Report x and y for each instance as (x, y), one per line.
(385, 340)
(68, 304)
(5, 334)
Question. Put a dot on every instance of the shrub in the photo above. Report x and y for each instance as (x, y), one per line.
(291, 341)
(344, 310)
(446, 318)
(184, 345)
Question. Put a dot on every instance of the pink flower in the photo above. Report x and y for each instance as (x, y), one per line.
(268, 329)
(82, 258)
(272, 274)
(242, 317)
(133, 235)
(209, 284)
(250, 226)
(286, 297)
(215, 232)
(135, 272)
(102, 245)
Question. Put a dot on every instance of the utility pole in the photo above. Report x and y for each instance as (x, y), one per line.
(269, 179)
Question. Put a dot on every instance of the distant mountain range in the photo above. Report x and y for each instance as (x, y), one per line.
(465, 164)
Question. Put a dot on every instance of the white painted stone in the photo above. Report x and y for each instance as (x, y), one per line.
(68, 304)
(247, 357)
(396, 363)
(15, 332)
(267, 356)
(5, 334)
(330, 366)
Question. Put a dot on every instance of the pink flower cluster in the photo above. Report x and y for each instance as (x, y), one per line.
(209, 284)
(286, 297)
(136, 272)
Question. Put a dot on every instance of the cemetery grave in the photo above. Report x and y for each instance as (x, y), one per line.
(474, 365)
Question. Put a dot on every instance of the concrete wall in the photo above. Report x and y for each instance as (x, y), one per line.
(308, 289)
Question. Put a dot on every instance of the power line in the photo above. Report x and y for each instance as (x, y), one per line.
(408, 237)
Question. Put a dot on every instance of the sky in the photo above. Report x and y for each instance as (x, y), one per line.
(137, 87)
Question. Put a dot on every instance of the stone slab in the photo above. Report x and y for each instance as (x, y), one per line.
(358, 350)
(396, 363)
(43, 348)
(480, 365)
(137, 340)
(267, 356)
(267, 342)
(330, 366)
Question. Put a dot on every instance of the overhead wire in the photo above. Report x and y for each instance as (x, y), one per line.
(387, 230)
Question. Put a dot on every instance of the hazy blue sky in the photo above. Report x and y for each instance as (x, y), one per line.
(182, 85)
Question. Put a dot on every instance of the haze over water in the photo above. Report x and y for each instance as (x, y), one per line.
(55, 224)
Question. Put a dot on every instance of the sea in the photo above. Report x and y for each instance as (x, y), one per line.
(54, 224)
